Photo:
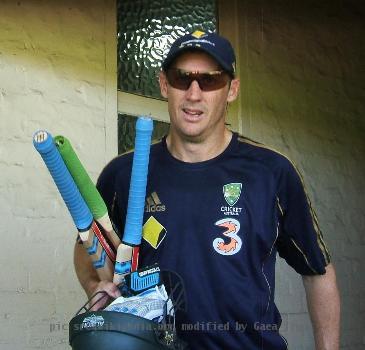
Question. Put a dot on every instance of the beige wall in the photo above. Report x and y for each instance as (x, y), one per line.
(302, 92)
(302, 74)
(57, 72)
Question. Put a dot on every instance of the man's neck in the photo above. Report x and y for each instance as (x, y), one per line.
(193, 152)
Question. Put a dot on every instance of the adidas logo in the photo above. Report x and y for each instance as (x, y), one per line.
(153, 204)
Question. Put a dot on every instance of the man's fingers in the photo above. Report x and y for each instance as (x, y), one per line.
(111, 289)
(100, 301)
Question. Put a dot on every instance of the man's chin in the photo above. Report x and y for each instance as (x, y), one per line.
(192, 136)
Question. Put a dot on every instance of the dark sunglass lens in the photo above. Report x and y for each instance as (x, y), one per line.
(178, 79)
(209, 82)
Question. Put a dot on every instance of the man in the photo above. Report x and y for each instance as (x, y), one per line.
(221, 206)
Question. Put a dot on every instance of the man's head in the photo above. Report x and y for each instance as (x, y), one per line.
(211, 43)
(198, 79)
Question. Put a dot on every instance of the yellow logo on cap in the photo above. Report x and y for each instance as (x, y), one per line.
(198, 34)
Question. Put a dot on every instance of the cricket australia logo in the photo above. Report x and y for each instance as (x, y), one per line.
(232, 193)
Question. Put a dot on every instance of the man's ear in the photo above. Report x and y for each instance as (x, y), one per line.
(234, 89)
(163, 84)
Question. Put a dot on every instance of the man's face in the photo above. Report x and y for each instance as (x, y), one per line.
(195, 114)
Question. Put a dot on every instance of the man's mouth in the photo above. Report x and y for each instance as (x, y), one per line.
(190, 112)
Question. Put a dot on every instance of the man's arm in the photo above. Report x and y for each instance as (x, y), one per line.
(89, 279)
(324, 308)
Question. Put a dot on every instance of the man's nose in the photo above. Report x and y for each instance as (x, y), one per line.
(194, 92)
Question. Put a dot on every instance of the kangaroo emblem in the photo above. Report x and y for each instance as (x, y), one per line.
(235, 243)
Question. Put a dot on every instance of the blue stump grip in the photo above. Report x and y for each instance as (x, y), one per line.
(81, 214)
(137, 190)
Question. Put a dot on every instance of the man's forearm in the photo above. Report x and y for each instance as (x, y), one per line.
(85, 271)
(90, 280)
(324, 308)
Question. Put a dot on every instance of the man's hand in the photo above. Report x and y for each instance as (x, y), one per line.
(90, 280)
(324, 308)
(100, 300)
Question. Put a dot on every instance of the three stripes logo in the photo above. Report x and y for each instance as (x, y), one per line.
(153, 204)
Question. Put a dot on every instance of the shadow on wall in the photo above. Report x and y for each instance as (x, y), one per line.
(67, 37)
(53, 63)
(301, 62)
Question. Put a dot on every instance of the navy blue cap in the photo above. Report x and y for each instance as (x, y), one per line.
(211, 43)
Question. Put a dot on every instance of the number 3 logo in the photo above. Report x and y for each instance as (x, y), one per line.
(235, 243)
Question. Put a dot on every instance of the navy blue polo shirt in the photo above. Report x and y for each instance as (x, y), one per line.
(220, 224)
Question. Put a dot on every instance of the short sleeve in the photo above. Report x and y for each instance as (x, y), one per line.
(300, 240)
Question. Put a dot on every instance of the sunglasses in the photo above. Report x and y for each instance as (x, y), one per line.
(208, 81)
